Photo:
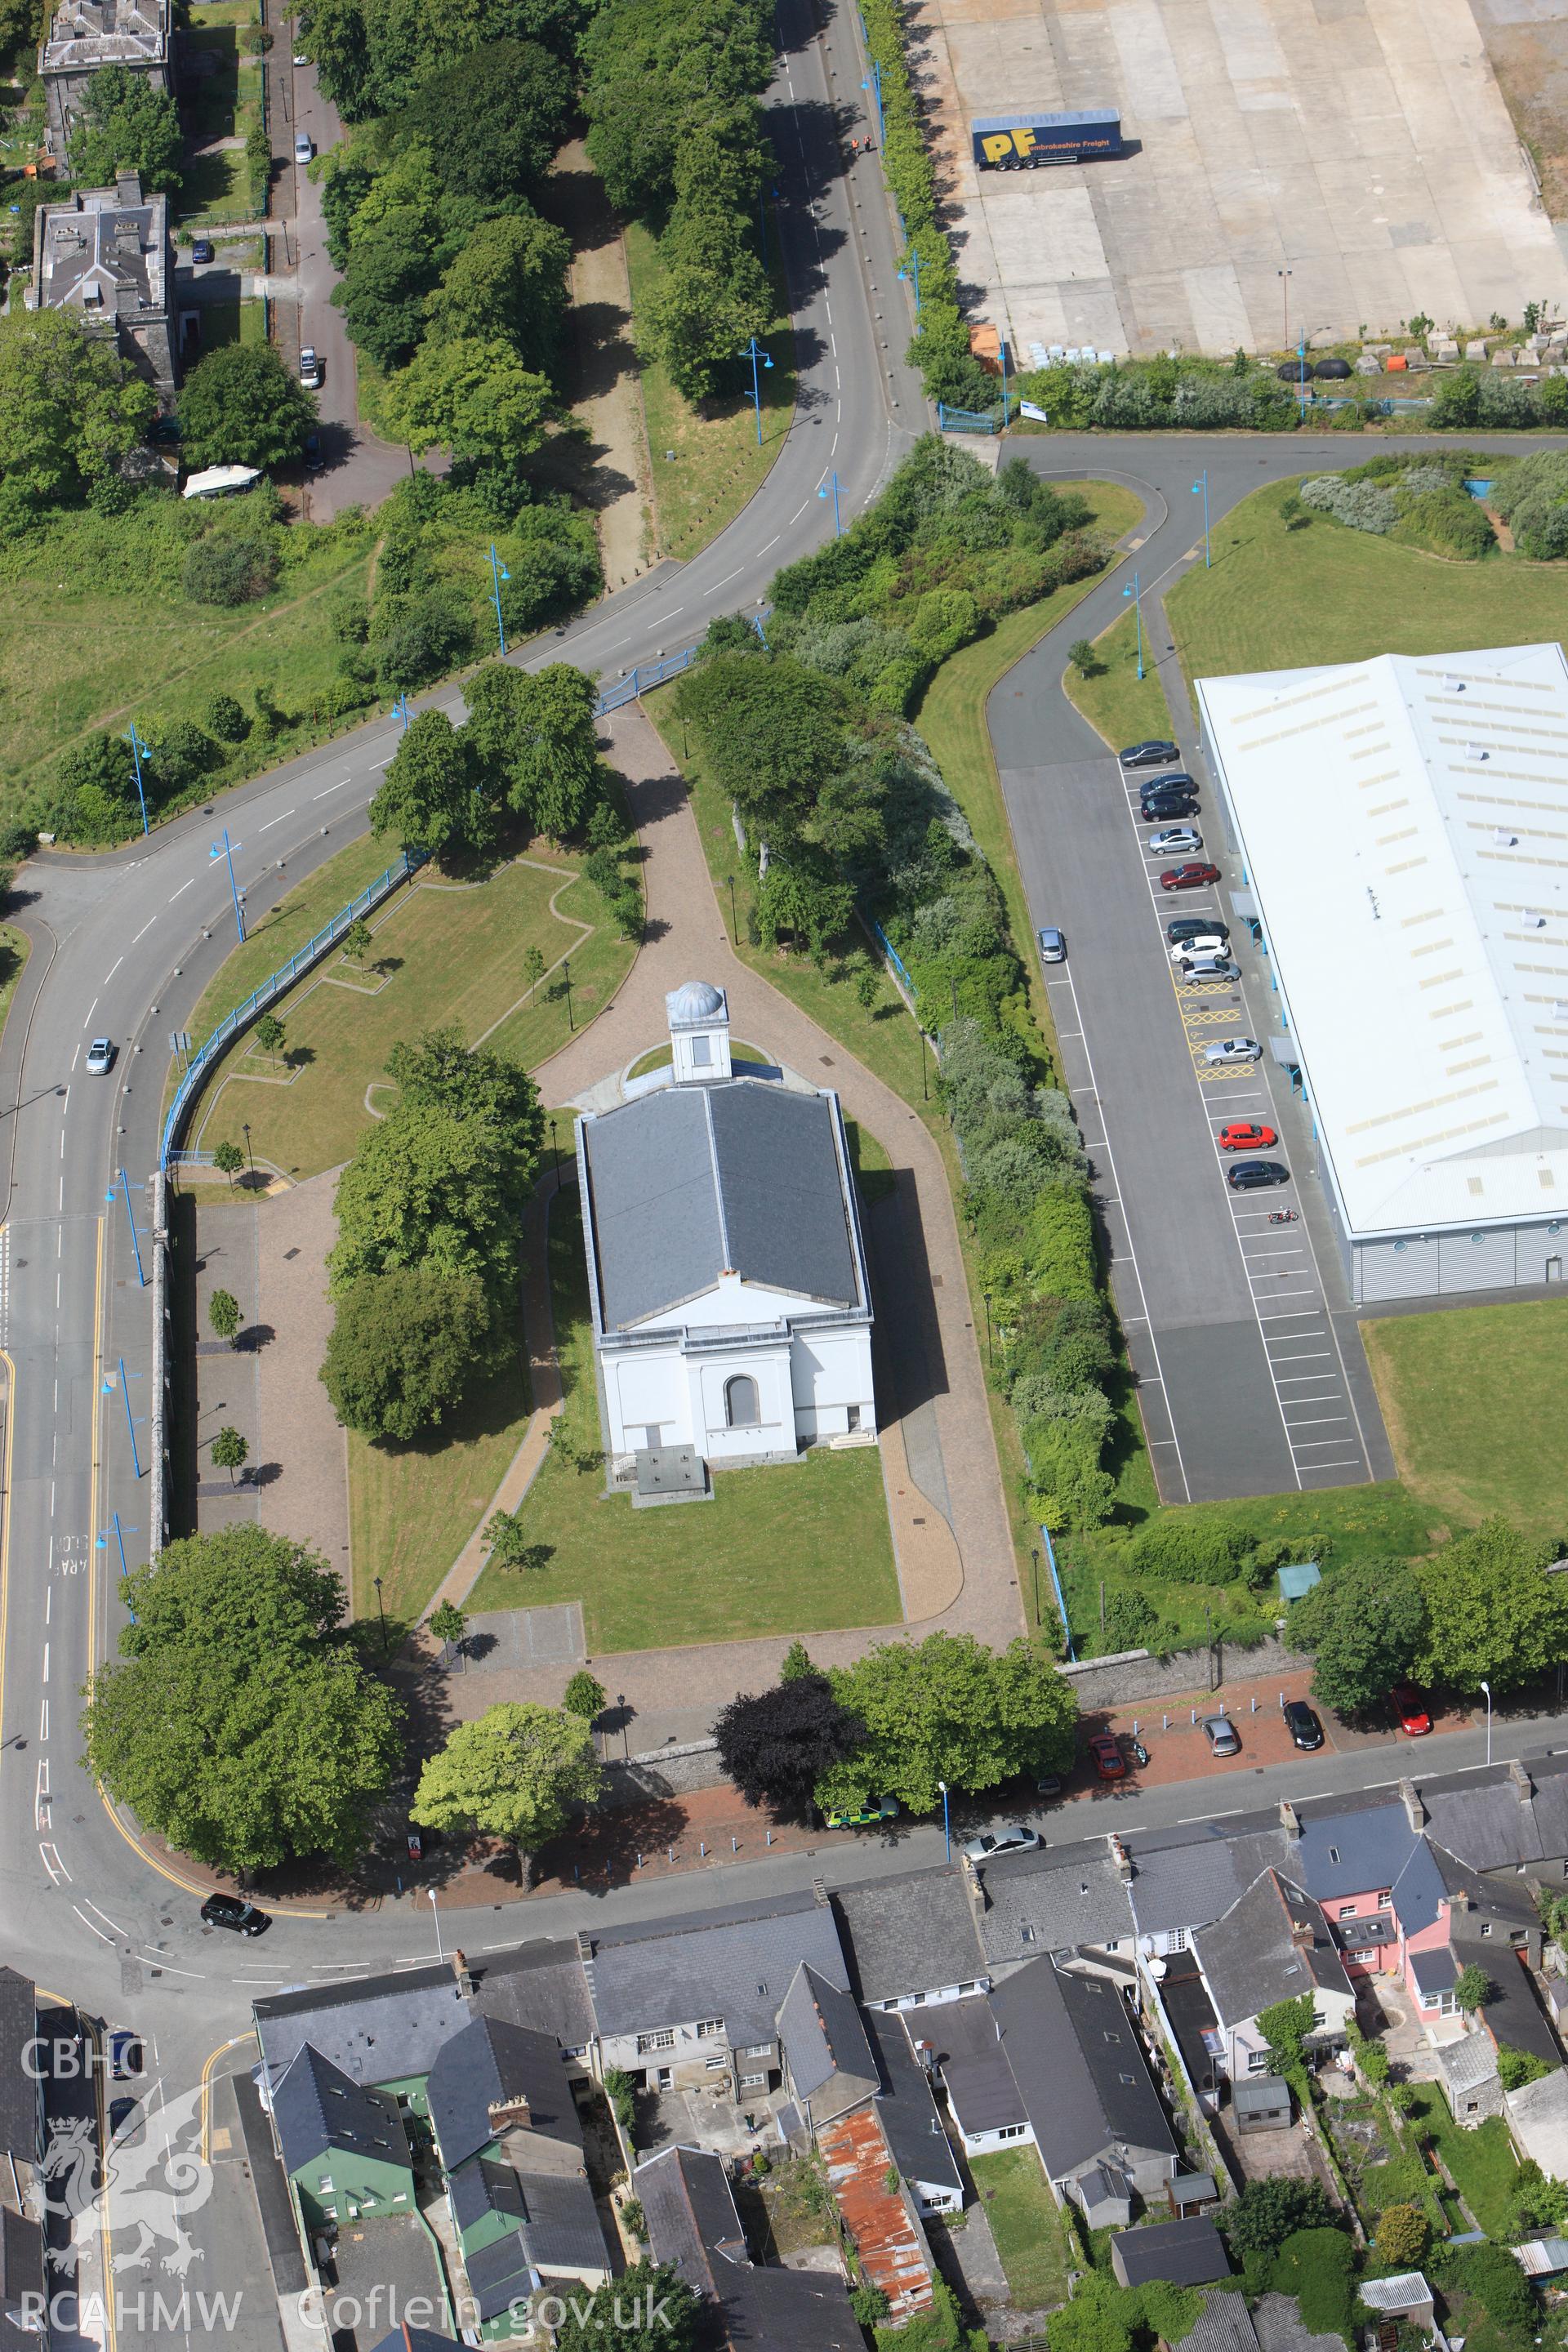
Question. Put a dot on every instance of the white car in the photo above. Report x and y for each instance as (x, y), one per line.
(1175, 840)
(1226, 1050)
(300, 58)
(309, 367)
(99, 1057)
(303, 149)
(1015, 1840)
(1207, 944)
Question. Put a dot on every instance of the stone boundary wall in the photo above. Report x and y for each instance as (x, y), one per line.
(1131, 1675)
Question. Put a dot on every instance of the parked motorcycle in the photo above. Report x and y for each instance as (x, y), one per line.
(1282, 1216)
(1140, 1753)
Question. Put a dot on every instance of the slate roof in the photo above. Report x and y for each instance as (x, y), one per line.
(906, 2110)
(1189, 2252)
(1260, 2094)
(561, 2221)
(316, 2106)
(541, 1986)
(734, 1963)
(690, 2210)
(1435, 1971)
(1353, 1852)
(692, 2223)
(489, 2062)
(1538, 2113)
(1194, 1877)
(822, 2034)
(1495, 1819)
(416, 2339)
(693, 1181)
(1251, 1957)
(18, 2092)
(482, 2186)
(1500, 1898)
(1466, 2063)
(1223, 2325)
(499, 2274)
(1075, 2054)
(914, 1933)
(1054, 1899)
(377, 2029)
(1514, 2014)
(980, 2081)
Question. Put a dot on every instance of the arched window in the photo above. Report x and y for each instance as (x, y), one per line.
(741, 1410)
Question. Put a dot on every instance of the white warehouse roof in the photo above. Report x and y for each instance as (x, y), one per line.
(1404, 827)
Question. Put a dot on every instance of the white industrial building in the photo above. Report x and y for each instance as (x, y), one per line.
(1402, 827)
(731, 1311)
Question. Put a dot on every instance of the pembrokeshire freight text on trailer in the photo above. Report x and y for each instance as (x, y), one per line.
(1022, 142)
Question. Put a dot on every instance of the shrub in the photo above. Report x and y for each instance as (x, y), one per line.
(225, 719)
(1314, 2265)
(1449, 523)
(1177, 1550)
(1519, 2067)
(1402, 2234)
(1269, 2212)
(1062, 1257)
(1361, 506)
(1490, 2277)
(221, 570)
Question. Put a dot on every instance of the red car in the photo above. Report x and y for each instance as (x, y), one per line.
(1188, 877)
(1246, 1135)
(1106, 1756)
(1411, 1709)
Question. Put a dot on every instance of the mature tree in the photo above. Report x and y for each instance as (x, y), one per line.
(1473, 1987)
(1365, 1623)
(19, 32)
(372, 56)
(403, 1347)
(712, 299)
(649, 2308)
(231, 1452)
(1402, 2233)
(237, 1722)
(508, 282)
(436, 1071)
(228, 1159)
(585, 1695)
(427, 795)
(948, 1709)
(223, 1306)
(512, 1774)
(777, 1745)
(240, 407)
(658, 76)
(472, 394)
(1269, 2212)
(1492, 1615)
(449, 1624)
(225, 719)
(70, 409)
(389, 275)
(513, 99)
(772, 734)
(534, 740)
(127, 125)
(1285, 2026)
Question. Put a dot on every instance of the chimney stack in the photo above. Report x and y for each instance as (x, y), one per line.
(1290, 1820)
(506, 2114)
(1460, 1899)
(1122, 1859)
(460, 1970)
(1523, 1786)
(1415, 1811)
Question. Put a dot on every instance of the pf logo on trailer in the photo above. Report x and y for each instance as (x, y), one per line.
(1022, 142)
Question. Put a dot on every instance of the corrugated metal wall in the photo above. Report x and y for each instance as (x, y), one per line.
(1512, 1257)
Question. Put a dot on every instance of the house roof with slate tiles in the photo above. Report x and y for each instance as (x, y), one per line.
(913, 1933)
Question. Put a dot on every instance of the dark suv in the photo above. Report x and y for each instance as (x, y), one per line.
(1249, 1175)
(1158, 808)
(233, 1911)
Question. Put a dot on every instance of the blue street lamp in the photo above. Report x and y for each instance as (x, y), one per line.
(225, 849)
(822, 493)
(139, 752)
(1301, 375)
(1003, 350)
(875, 86)
(498, 573)
(946, 1826)
(759, 359)
(1203, 487)
(914, 271)
(400, 710)
(1135, 592)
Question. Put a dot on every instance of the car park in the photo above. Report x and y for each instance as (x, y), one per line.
(1053, 946)
(1175, 840)
(233, 1912)
(124, 2053)
(1415, 1715)
(304, 149)
(100, 1057)
(1207, 967)
(1014, 1840)
(203, 249)
(1226, 1050)
(1155, 753)
(1302, 1722)
(1106, 1756)
(1256, 1175)
(1203, 943)
(1223, 1738)
(1245, 1135)
(1198, 927)
(1189, 877)
(855, 1817)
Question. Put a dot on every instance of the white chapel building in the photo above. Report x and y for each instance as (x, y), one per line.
(731, 1312)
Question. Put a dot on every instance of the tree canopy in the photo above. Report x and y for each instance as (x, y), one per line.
(1491, 1614)
(512, 1773)
(649, 2308)
(778, 1744)
(1269, 2210)
(533, 738)
(405, 1346)
(70, 409)
(240, 407)
(473, 396)
(425, 795)
(948, 1709)
(1365, 1625)
(127, 125)
(237, 1722)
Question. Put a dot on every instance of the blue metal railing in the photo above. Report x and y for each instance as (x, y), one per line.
(1057, 1587)
(649, 674)
(966, 420)
(273, 986)
(890, 952)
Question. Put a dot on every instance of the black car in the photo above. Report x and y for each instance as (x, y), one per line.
(1196, 927)
(1251, 1175)
(1152, 754)
(1160, 806)
(119, 2114)
(233, 1911)
(1301, 1723)
(1178, 780)
(203, 249)
(312, 453)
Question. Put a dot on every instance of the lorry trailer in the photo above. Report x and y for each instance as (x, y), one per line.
(1022, 142)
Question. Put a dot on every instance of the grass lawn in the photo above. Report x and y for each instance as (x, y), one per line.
(1482, 2161)
(443, 952)
(1025, 2225)
(413, 1508)
(717, 461)
(1124, 706)
(1282, 599)
(767, 1555)
(239, 321)
(14, 949)
(1472, 1400)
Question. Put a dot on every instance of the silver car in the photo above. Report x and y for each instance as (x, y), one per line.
(1175, 840)
(1228, 1050)
(1207, 967)
(1014, 1840)
(1223, 1736)
(100, 1057)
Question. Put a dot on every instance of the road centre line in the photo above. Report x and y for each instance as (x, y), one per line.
(108, 976)
(144, 929)
(331, 789)
(181, 892)
(276, 820)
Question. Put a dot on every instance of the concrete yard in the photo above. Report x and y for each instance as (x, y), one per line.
(1363, 146)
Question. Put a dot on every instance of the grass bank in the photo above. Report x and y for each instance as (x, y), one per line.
(707, 460)
(1124, 706)
(413, 1508)
(767, 1555)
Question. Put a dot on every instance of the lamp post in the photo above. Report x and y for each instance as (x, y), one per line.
(382, 1614)
(759, 359)
(946, 1826)
(1203, 486)
(822, 493)
(1002, 345)
(435, 1917)
(498, 573)
(620, 1709)
(1487, 1688)
(1136, 593)
(400, 710)
(875, 86)
(913, 273)
(735, 924)
(566, 982)
(1284, 277)
(1301, 375)
(139, 752)
(225, 849)
(249, 1155)
(555, 1154)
